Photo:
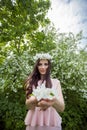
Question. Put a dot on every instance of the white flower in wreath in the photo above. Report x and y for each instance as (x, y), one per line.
(42, 56)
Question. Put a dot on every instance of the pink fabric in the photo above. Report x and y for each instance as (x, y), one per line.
(42, 128)
(38, 117)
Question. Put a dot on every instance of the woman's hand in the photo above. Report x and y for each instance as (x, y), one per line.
(46, 103)
(31, 102)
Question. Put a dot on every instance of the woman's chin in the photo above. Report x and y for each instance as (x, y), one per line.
(42, 73)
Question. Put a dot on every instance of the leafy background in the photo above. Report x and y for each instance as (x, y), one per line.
(25, 30)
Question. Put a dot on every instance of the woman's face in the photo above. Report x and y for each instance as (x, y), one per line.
(42, 66)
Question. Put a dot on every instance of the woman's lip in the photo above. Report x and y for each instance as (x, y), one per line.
(42, 70)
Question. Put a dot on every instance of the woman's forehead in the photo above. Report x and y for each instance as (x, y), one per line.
(43, 61)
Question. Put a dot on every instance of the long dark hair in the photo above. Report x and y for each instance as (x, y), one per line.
(34, 77)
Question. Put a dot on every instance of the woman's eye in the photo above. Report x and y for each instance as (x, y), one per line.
(39, 64)
(46, 64)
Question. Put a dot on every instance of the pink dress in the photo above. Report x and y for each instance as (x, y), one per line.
(43, 120)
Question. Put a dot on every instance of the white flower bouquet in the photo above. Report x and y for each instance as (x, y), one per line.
(41, 92)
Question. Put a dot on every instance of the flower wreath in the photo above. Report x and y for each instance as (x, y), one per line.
(42, 56)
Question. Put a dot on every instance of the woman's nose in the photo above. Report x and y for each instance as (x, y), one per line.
(43, 66)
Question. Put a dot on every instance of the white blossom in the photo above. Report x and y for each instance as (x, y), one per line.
(42, 56)
(41, 92)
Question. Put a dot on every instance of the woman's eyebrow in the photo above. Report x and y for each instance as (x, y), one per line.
(43, 63)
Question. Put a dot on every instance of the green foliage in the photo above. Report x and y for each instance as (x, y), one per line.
(12, 68)
(25, 32)
(43, 40)
(74, 117)
(19, 24)
(70, 67)
(21, 17)
(70, 63)
(12, 110)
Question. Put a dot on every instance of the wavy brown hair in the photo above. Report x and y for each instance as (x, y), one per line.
(34, 77)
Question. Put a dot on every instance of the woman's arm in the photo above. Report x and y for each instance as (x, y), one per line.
(31, 102)
(59, 104)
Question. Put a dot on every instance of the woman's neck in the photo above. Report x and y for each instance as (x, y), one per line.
(42, 77)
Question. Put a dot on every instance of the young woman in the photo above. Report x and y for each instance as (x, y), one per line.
(43, 114)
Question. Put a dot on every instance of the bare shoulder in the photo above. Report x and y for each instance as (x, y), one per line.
(55, 82)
